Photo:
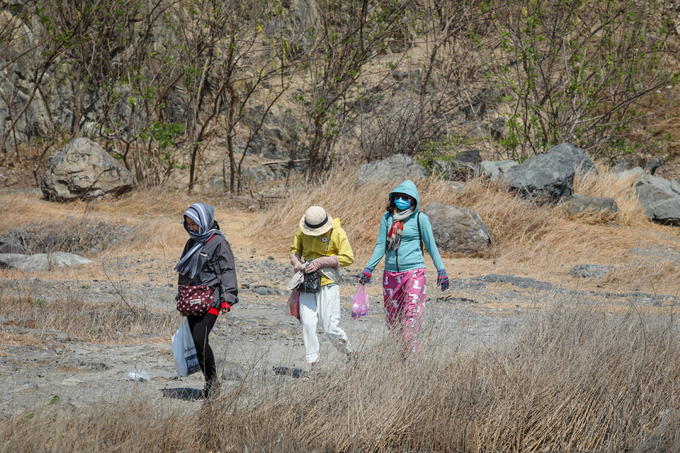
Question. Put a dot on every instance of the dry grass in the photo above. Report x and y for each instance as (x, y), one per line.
(621, 190)
(573, 380)
(542, 236)
(653, 269)
(137, 425)
(96, 323)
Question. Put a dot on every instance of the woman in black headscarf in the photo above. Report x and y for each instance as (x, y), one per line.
(207, 254)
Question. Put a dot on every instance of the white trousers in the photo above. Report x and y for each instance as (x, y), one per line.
(325, 305)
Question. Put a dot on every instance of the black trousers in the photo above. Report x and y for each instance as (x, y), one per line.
(200, 329)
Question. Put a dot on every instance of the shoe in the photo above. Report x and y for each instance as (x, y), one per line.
(352, 356)
(313, 371)
(210, 391)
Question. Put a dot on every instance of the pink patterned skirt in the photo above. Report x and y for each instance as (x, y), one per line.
(404, 297)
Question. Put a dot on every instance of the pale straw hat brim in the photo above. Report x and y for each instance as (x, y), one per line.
(317, 231)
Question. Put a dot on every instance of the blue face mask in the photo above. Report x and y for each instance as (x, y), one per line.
(402, 204)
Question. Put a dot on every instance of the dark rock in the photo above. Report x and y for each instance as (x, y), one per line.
(521, 282)
(457, 229)
(660, 198)
(397, 167)
(216, 184)
(468, 157)
(549, 176)
(649, 164)
(590, 270)
(12, 243)
(66, 236)
(479, 104)
(579, 203)
(399, 75)
(83, 170)
(495, 127)
(460, 167)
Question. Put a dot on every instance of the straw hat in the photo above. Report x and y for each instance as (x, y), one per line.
(316, 221)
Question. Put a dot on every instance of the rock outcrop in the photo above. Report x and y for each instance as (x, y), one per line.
(457, 229)
(580, 203)
(491, 169)
(83, 170)
(549, 176)
(660, 198)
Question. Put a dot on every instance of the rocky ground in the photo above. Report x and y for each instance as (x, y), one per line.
(256, 339)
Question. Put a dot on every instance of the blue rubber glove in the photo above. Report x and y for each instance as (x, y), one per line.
(365, 276)
(442, 279)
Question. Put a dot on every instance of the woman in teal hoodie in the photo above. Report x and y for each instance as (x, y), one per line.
(400, 239)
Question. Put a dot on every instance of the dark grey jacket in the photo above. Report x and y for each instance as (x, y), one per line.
(217, 247)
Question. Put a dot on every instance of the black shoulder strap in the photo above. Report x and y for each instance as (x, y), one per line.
(420, 235)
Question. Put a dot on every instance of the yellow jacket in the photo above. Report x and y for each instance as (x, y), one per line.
(311, 247)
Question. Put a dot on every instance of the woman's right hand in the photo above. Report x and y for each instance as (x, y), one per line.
(296, 261)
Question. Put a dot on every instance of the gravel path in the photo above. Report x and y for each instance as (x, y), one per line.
(255, 339)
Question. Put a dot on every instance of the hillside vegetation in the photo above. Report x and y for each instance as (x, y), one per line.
(162, 82)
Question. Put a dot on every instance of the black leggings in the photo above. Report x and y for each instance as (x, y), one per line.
(200, 329)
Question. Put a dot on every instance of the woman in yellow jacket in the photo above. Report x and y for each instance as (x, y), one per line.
(321, 241)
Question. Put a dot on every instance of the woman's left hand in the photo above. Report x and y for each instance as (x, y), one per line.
(442, 279)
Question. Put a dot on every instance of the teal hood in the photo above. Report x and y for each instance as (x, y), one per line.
(410, 189)
(416, 228)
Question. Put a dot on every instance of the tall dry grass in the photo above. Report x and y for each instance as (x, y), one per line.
(572, 380)
(621, 190)
(134, 425)
(522, 231)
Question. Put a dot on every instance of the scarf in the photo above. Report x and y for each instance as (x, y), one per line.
(397, 230)
(203, 215)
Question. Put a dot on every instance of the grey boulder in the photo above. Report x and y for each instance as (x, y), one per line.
(590, 270)
(41, 261)
(398, 167)
(83, 170)
(457, 229)
(549, 176)
(580, 203)
(491, 169)
(660, 198)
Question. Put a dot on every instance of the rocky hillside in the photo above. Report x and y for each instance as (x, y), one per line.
(230, 98)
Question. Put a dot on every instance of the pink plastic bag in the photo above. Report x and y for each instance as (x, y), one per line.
(294, 304)
(360, 303)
